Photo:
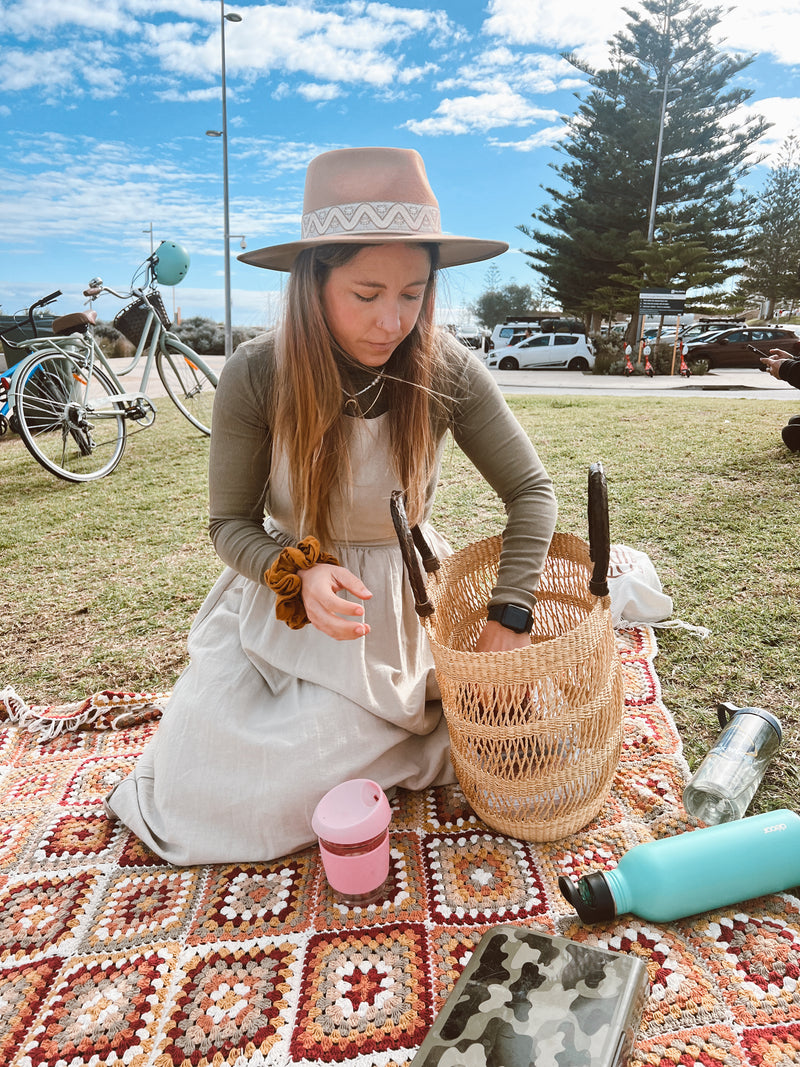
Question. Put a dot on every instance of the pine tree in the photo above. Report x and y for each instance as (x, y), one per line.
(772, 260)
(600, 214)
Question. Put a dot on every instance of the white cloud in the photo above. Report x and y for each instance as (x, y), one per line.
(499, 69)
(771, 27)
(580, 25)
(354, 43)
(485, 111)
(410, 73)
(49, 71)
(783, 113)
(80, 188)
(585, 26)
(30, 18)
(317, 93)
(550, 135)
(348, 43)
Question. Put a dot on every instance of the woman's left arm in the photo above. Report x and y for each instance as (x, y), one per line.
(490, 436)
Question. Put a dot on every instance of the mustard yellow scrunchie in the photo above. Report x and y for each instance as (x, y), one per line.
(283, 579)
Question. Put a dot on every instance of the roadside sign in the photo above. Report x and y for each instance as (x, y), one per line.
(662, 301)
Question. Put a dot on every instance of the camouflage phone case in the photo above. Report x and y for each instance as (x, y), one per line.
(528, 999)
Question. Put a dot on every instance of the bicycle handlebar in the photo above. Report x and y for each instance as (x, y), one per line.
(113, 292)
(46, 300)
(43, 302)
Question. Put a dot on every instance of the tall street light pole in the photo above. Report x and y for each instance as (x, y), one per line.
(651, 226)
(665, 91)
(223, 18)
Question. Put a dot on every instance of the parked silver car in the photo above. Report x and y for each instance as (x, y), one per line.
(545, 351)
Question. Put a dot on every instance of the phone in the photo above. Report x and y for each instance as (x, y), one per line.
(525, 993)
(758, 352)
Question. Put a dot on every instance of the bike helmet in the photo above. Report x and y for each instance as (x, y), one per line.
(171, 263)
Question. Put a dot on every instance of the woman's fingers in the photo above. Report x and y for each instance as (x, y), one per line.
(327, 609)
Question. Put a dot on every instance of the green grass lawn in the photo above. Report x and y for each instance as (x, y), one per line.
(101, 581)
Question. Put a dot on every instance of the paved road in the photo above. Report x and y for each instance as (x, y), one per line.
(733, 384)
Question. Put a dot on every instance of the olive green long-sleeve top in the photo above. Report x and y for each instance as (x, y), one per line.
(477, 415)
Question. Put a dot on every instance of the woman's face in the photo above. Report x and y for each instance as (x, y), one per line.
(372, 302)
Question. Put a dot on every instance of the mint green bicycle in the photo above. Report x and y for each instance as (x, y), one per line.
(70, 407)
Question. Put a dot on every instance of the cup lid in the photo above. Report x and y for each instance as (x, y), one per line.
(352, 812)
(727, 711)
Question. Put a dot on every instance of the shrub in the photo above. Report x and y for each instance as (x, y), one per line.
(609, 358)
(205, 336)
(111, 341)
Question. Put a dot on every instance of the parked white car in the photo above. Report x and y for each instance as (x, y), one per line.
(545, 351)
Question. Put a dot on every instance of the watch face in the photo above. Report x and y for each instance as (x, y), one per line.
(513, 617)
(516, 618)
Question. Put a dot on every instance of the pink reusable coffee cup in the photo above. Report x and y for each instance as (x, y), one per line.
(352, 824)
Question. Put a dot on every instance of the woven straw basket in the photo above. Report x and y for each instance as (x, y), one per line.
(535, 733)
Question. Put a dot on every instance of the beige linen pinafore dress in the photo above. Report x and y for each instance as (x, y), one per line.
(265, 719)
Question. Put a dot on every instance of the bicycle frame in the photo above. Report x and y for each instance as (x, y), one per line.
(153, 337)
(65, 389)
(154, 342)
(7, 377)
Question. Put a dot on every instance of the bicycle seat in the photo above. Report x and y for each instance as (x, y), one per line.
(77, 322)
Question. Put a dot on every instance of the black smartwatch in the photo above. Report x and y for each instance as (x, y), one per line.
(513, 617)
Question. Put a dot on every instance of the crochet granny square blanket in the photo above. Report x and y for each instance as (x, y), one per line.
(109, 956)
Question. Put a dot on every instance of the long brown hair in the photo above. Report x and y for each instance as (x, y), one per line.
(308, 419)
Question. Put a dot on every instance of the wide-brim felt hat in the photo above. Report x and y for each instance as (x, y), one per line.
(371, 196)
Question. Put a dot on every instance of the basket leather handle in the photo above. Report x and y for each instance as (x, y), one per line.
(411, 542)
(430, 561)
(599, 536)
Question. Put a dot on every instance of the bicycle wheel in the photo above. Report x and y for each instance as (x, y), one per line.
(189, 383)
(65, 418)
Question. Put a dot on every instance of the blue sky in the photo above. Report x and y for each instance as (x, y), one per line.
(104, 108)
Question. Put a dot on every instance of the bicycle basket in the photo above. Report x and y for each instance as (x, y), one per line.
(535, 733)
(12, 354)
(131, 320)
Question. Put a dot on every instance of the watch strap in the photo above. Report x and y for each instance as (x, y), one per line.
(512, 616)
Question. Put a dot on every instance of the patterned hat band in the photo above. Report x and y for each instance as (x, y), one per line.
(371, 196)
(371, 218)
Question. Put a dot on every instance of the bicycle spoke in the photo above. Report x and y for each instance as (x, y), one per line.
(65, 417)
(189, 384)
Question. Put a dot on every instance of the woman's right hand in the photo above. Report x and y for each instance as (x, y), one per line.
(327, 611)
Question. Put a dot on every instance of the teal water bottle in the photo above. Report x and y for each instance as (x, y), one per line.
(694, 871)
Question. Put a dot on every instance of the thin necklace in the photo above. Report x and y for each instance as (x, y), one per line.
(352, 405)
(363, 414)
(366, 388)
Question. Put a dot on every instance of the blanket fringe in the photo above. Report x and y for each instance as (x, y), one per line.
(106, 710)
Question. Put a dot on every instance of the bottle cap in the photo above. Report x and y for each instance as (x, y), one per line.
(351, 813)
(591, 897)
(726, 712)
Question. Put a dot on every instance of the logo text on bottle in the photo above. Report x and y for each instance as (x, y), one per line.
(777, 826)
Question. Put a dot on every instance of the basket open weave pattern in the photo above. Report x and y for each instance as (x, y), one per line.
(536, 733)
(132, 319)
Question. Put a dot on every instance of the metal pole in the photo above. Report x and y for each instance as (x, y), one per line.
(226, 221)
(653, 199)
(651, 226)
